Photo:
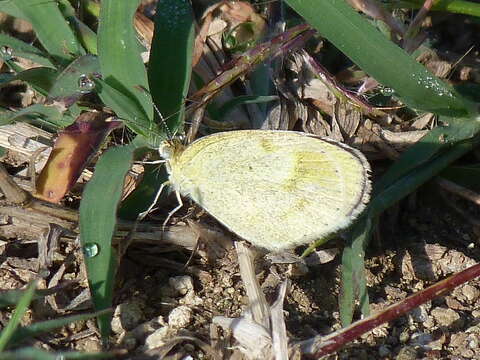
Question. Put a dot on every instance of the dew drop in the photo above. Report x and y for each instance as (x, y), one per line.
(6, 52)
(386, 91)
(91, 250)
(85, 84)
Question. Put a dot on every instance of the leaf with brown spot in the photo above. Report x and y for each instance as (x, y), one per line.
(73, 150)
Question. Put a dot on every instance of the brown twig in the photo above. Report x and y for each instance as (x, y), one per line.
(459, 190)
(13, 193)
(320, 346)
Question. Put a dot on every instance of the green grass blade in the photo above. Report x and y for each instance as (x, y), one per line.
(85, 35)
(50, 26)
(419, 164)
(451, 6)
(120, 61)
(21, 308)
(131, 114)
(411, 181)
(28, 332)
(97, 224)
(41, 79)
(68, 86)
(47, 115)
(144, 194)
(169, 78)
(37, 354)
(24, 50)
(170, 62)
(354, 283)
(375, 54)
(439, 140)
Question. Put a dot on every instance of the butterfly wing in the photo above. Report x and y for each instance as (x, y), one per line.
(276, 189)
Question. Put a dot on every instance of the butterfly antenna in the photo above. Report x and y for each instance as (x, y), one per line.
(164, 122)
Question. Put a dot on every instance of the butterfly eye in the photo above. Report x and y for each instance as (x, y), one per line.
(165, 151)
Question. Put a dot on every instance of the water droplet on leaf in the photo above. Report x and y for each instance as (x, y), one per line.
(85, 84)
(6, 52)
(91, 250)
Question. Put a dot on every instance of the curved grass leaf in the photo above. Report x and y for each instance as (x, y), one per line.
(43, 114)
(50, 27)
(437, 142)
(21, 308)
(97, 224)
(375, 54)
(76, 80)
(37, 354)
(120, 61)
(28, 332)
(85, 35)
(170, 64)
(41, 79)
(24, 50)
(128, 110)
(451, 6)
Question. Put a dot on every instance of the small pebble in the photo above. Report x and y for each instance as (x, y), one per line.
(445, 317)
(126, 317)
(157, 338)
(180, 317)
(181, 284)
(383, 351)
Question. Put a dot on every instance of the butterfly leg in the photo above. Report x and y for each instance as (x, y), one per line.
(178, 207)
(154, 162)
(142, 215)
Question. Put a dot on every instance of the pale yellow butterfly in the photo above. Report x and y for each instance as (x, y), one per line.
(276, 189)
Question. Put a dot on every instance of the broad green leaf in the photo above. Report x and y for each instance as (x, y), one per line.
(170, 62)
(169, 78)
(120, 61)
(98, 211)
(77, 79)
(127, 109)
